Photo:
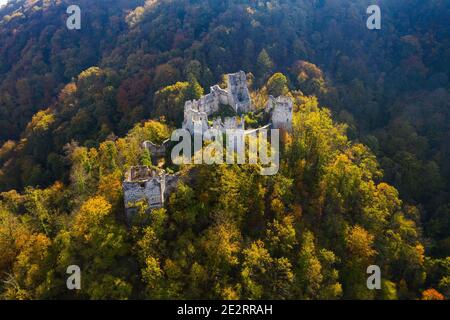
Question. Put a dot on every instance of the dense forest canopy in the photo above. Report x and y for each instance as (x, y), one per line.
(364, 179)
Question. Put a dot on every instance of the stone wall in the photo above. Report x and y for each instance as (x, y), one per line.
(282, 112)
(155, 186)
(237, 96)
(228, 123)
(141, 183)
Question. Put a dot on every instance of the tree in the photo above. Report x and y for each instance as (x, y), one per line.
(277, 85)
(264, 277)
(309, 272)
(194, 90)
(24, 257)
(149, 250)
(255, 271)
(432, 294)
(281, 236)
(359, 244)
(264, 66)
(310, 79)
(98, 245)
(169, 101)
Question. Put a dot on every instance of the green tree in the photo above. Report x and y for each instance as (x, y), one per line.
(277, 85)
(98, 245)
(264, 66)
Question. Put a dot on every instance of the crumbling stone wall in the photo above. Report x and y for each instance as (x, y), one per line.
(237, 96)
(282, 112)
(143, 183)
(155, 186)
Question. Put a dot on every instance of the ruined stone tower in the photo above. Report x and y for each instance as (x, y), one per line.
(154, 186)
(236, 96)
(143, 183)
(282, 112)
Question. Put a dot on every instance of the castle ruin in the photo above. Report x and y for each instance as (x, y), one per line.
(236, 96)
(282, 112)
(142, 182)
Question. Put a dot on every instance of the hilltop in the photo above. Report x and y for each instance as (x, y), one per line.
(366, 177)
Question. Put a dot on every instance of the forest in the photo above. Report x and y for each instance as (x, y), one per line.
(364, 176)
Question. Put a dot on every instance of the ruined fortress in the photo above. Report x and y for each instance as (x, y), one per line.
(236, 96)
(141, 182)
(282, 110)
(197, 112)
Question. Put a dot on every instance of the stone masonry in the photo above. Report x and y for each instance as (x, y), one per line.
(142, 182)
(236, 96)
(282, 112)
